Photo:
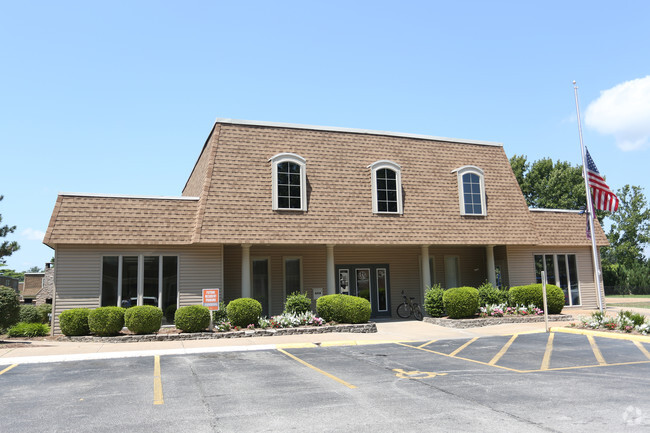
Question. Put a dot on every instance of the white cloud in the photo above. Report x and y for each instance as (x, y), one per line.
(33, 235)
(624, 112)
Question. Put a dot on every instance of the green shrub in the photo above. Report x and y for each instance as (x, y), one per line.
(106, 321)
(244, 311)
(343, 309)
(638, 319)
(297, 303)
(23, 329)
(220, 315)
(192, 318)
(74, 322)
(9, 307)
(29, 314)
(460, 302)
(533, 294)
(490, 295)
(170, 312)
(45, 310)
(145, 319)
(433, 304)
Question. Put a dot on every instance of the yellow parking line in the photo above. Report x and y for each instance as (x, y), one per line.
(457, 351)
(503, 351)
(547, 354)
(341, 381)
(594, 347)
(8, 368)
(636, 343)
(157, 382)
(426, 344)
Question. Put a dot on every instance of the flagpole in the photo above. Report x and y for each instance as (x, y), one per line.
(590, 205)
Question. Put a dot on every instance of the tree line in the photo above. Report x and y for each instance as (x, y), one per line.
(559, 185)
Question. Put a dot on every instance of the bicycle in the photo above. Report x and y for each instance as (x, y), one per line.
(409, 308)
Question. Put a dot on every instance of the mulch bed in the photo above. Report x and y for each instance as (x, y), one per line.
(477, 321)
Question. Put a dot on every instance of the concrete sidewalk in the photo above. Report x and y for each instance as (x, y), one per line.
(387, 331)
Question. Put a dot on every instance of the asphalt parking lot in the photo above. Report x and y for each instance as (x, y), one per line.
(529, 382)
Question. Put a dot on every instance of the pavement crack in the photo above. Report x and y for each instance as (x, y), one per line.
(212, 416)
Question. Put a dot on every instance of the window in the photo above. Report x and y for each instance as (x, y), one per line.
(471, 190)
(452, 272)
(561, 270)
(292, 275)
(289, 182)
(139, 280)
(386, 187)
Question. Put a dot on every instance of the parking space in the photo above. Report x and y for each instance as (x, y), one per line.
(530, 382)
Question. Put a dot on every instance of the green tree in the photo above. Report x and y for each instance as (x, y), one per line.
(34, 269)
(6, 248)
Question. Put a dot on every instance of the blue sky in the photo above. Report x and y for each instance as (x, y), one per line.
(118, 97)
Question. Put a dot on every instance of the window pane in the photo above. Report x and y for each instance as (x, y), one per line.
(539, 267)
(392, 206)
(151, 268)
(283, 167)
(573, 277)
(392, 196)
(363, 283)
(129, 281)
(170, 282)
(294, 168)
(109, 281)
(292, 275)
(283, 191)
(295, 203)
(382, 299)
(295, 191)
(283, 179)
(390, 174)
(382, 206)
(469, 209)
(550, 269)
(563, 277)
(381, 184)
(294, 179)
(283, 202)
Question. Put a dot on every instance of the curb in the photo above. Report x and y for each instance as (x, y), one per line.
(602, 334)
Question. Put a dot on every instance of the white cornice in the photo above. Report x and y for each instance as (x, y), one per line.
(149, 197)
(554, 210)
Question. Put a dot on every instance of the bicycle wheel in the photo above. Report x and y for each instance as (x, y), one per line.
(417, 311)
(403, 311)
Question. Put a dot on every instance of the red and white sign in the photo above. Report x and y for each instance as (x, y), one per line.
(211, 299)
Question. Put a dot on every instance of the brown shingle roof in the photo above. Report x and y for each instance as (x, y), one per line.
(96, 219)
(33, 284)
(557, 227)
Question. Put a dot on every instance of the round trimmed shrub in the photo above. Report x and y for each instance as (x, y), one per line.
(23, 329)
(9, 307)
(460, 302)
(343, 308)
(244, 311)
(145, 319)
(534, 294)
(29, 314)
(297, 303)
(170, 312)
(433, 304)
(192, 318)
(74, 322)
(45, 310)
(106, 321)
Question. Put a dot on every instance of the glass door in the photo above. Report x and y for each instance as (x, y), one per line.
(370, 282)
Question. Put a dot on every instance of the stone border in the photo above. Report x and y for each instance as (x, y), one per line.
(363, 328)
(489, 321)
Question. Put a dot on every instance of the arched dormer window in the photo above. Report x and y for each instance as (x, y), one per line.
(471, 190)
(386, 187)
(289, 182)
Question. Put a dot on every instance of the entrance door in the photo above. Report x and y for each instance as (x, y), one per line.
(370, 282)
(260, 270)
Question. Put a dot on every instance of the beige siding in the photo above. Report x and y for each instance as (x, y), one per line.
(78, 273)
(521, 266)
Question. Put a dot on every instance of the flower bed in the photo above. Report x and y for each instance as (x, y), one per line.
(477, 321)
(624, 321)
(502, 310)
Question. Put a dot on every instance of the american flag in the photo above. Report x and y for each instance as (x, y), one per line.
(603, 197)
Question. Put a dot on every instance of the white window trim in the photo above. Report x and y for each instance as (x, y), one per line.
(296, 159)
(284, 273)
(384, 163)
(461, 194)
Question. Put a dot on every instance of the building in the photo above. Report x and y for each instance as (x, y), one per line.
(10, 282)
(270, 209)
(33, 285)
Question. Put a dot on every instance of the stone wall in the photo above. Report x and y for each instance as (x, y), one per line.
(47, 292)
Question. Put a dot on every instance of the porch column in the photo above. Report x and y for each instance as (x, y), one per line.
(426, 272)
(491, 274)
(331, 271)
(245, 271)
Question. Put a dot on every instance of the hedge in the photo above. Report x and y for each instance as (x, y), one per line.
(490, 295)
(9, 307)
(145, 319)
(192, 318)
(106, 321)
(297, 303)
(29, 314)
(433, 304)
(533, 294)
(24, 329)
(45, 310)
(244, 311)
(74, 322)
(460, 302)
(343, 308)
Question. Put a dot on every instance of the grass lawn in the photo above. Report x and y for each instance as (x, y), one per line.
(628, 296)
(631, 305)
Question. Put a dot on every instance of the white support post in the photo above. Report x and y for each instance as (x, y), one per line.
(331, 271)
(491, 273)
(426, 271)
(246, 271)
